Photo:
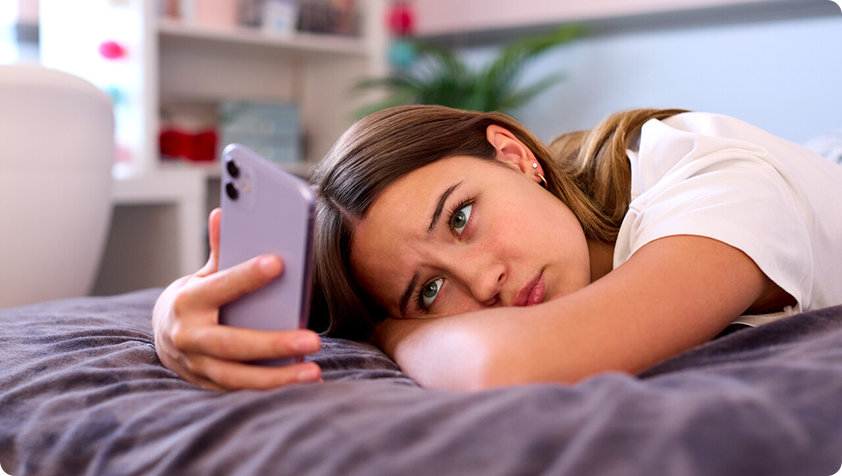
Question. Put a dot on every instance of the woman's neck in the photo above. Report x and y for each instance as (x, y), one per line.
(602, 258)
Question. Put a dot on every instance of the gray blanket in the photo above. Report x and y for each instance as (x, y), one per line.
(82, 392)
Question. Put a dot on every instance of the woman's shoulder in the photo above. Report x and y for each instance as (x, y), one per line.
(711, 125)
(689, 142)
(710, 137)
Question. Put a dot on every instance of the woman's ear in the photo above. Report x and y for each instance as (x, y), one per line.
(512, 151)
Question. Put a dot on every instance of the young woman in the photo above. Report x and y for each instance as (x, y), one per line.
(475, 256)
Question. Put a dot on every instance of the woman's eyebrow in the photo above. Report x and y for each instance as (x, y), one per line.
(440, 207)
(433, 222)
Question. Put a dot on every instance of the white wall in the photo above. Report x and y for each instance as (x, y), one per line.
(783, 76)
(435, 17)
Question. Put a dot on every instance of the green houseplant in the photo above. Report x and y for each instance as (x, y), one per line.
(443, 78)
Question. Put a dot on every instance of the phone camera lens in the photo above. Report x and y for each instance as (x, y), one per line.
(231, 190)
(233, 169)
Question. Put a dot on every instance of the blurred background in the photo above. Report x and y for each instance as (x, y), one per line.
(286, 77)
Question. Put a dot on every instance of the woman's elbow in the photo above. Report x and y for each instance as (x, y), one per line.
(449, 361)
(485, 367)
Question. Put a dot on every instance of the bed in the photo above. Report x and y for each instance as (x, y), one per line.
(82, 392)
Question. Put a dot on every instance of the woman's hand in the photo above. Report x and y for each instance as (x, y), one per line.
(190, 341)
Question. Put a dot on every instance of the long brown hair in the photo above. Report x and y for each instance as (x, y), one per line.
(587, 170)
(596, 160)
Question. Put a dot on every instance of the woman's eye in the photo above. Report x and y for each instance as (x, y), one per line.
(460, 219)
(430, 291)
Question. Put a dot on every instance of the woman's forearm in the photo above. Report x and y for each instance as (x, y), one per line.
(489, 348)
(645, 311)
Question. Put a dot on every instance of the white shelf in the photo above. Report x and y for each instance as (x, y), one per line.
(185, 191)
(170, 64)
(301, 42)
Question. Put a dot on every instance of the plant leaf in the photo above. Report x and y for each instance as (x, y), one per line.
(394, 82)
(446, 61)
(524, 95)
(443, 78)
(400, 98)
(501, 73)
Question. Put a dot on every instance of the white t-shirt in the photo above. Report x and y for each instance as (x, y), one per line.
(715, 176)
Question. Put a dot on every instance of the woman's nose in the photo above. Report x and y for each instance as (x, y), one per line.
(485, 281)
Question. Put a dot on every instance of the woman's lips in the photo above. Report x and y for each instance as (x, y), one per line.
(532, 293)
(536, 295)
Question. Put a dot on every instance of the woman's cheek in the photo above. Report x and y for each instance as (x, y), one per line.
(442, 304)
(447, 302)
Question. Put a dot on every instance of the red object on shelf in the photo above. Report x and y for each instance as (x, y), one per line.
(199, 147)
(174, 144)
(111, 50)
(204, 146)
(401, 19)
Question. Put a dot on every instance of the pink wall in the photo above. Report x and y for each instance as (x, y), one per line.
(28, 11)
(450, 16)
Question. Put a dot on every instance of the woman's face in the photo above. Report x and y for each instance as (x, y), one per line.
(463, 234)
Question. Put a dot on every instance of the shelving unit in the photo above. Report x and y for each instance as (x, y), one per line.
(169, 63)
(301, 42)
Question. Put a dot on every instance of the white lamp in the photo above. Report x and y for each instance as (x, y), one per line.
(56, 153)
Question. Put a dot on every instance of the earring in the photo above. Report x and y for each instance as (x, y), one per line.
(535, 166)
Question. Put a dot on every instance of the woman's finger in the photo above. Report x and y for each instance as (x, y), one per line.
(233, 343)
(222, 287)
(212, 264)
(240, 376)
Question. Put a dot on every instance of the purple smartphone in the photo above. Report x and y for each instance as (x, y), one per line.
(266, 210)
